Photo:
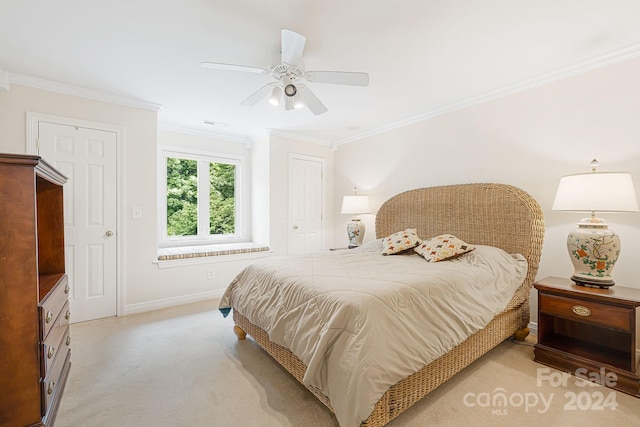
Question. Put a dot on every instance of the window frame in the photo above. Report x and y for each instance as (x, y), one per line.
(241, 198)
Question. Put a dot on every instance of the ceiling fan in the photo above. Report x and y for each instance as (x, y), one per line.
(291, 77)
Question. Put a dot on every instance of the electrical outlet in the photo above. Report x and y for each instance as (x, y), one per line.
(211, 273)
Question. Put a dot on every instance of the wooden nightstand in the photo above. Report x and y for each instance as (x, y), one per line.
(592, 329)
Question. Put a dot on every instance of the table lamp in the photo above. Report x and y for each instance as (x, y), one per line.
(593, 247)
(355, 205)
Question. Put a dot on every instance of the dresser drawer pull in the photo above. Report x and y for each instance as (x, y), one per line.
(66, 288)
(68, 340)
(49, 317)
(51, 352)
(52, 386)
(581, 310)
(68, 315)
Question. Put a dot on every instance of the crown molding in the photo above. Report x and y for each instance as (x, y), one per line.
(67, 89)
(4, 80)
(610, 58)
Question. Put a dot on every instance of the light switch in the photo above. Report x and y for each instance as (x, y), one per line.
(136, 212)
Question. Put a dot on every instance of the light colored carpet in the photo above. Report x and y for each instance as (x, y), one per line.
(183, 366)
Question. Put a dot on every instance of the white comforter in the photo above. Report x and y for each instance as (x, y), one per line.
(361, 321)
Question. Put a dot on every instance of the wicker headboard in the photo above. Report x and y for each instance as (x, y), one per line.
(485, 214)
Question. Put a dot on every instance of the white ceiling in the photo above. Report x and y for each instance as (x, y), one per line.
(423, 56)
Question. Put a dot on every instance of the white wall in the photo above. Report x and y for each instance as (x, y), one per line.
(144, 285)
(260, 194)
(529, 140)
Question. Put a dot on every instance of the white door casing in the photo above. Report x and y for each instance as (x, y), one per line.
(88, 158)
(306, 195)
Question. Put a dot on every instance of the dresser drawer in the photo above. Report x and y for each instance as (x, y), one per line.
(586, 311)
(56, 341)
(54, 381)
(52, 305)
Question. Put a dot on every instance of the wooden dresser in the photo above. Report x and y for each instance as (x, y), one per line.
(34, 310)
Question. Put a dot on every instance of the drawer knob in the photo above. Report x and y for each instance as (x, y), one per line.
(68, 340)
(49, 317)
(66, 288)
(581, 310)
(52, 386)
(68, 315)
(51, 352)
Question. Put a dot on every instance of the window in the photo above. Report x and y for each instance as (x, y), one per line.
(201, 198)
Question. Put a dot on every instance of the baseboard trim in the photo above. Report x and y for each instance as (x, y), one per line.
(533, 328)
(142, 307)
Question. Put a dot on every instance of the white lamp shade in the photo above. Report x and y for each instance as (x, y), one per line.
(355, 205)
(596, 192)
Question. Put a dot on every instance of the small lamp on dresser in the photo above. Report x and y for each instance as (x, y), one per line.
(355, 205)
(593, 247)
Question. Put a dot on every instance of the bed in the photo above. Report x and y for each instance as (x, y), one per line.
(500, 221)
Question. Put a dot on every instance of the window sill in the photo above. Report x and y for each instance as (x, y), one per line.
(190, 255)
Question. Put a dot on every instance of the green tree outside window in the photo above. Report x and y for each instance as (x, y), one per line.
(182, 197)
(222, 202)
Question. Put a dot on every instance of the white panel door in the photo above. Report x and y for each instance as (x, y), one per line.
(305, 205)
(88, 158)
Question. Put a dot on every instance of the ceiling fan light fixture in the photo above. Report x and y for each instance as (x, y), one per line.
(290, 89)
(274, 99)
(298, 102)
(288, 103)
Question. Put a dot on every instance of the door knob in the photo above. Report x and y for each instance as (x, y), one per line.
(109, 233)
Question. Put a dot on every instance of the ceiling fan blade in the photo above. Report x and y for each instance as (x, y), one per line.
(256, 96)
(338, 77)
(292, 47)
(233, 67)
(311, 101)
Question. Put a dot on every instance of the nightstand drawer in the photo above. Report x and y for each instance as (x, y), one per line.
(586, 311)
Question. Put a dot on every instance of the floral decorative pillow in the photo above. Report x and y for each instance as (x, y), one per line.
(442, 247)
(400, 241)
